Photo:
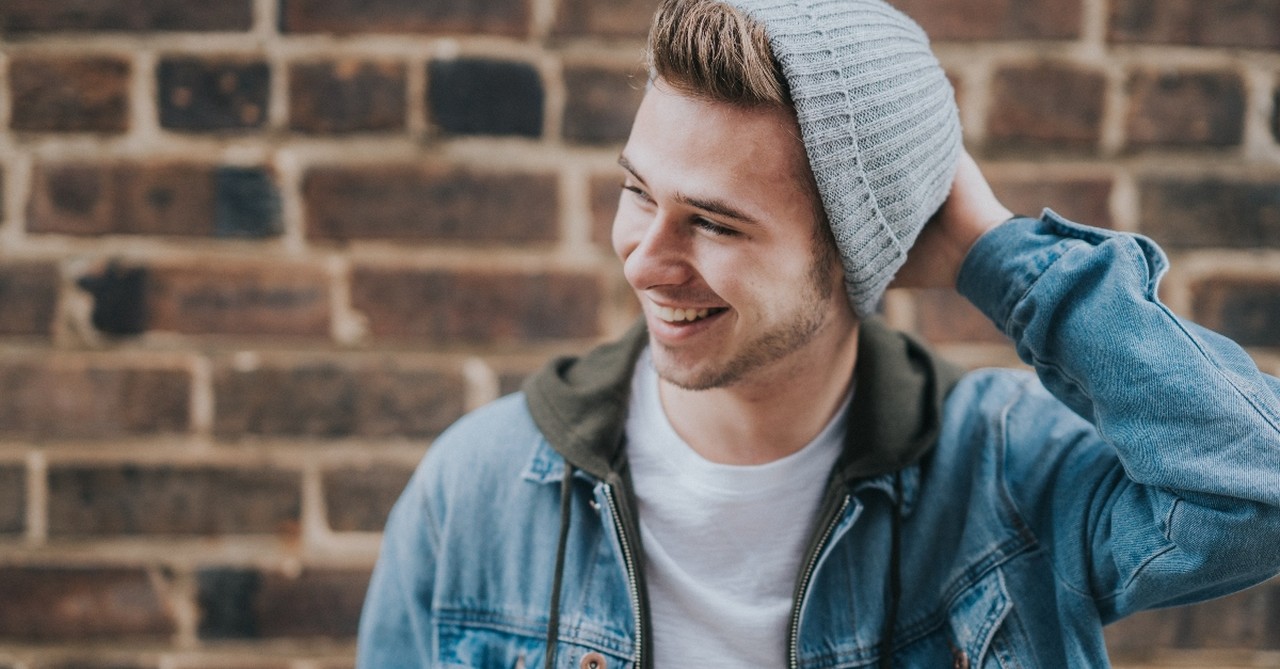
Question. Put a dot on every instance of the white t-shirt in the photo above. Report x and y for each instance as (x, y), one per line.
(722, 543)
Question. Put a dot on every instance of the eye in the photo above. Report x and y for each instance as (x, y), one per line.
(714, 228)
(636, 190)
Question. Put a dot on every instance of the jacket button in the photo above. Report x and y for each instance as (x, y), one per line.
(958, 659)
(592, 661)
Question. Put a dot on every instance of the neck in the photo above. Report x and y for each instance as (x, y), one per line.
(771, 415)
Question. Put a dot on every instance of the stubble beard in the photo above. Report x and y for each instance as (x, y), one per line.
(766, 348)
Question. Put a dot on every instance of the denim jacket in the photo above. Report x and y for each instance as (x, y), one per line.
(994, 520)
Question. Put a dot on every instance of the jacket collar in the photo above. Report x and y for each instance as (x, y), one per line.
(580, 403)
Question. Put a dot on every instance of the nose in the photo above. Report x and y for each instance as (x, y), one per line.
(654, 249)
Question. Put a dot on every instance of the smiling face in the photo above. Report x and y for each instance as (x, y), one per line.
(718, 231)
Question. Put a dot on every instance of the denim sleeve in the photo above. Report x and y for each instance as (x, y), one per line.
(1173, 494)
(394, 626)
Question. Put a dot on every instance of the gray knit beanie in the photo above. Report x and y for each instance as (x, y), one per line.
(879, 123)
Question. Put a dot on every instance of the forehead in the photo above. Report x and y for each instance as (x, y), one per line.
(717, 146)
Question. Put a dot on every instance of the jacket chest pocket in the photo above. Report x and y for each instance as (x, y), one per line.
(983, 628)
(483, 647)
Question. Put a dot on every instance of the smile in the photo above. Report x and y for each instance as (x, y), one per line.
(685, 315)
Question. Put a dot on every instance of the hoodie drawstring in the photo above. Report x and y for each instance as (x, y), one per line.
(553, 622)
(895, 575)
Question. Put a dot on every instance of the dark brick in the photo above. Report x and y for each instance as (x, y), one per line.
(1211, 213)
(73, 604)
(170, 500)
(240, 604)
(438, 307)
(605, 191)
(172, 199)
(205, 95)
(943, 316)
(1185, 109)
(125, 15)
(13, 499)
(273, 298)
(1046, 106)
(52, 399)
(1084, 200)
(358, 500)
(347, 96)
(1234, 23)
(492, 17)
(119, 299)
(29, 293)
(605, 18)
(996, 19)
(431, 203)
(1246, 310)
(326, 400)
(472, 96)
(68, 94)
(1275, 115)
(601, 103)
(246, 203)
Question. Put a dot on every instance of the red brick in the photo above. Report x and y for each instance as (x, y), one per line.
(52, 399)
(167, 500)
(72, 604)
(1245, 620)
(328, 400)
(70, 94)
(347, 96)
(21, 16)
(1245, 309)
(1188, 214)
(605, 191)
(276, 298)
(605, 18)
(97, 663)
(242, 604)
(430, 203)
(438, 307)
(1084, 200)
(1185, 109)
(358, 500)
(13, 499)
(29, 293)
(601, 103)
(1235, 23)
(199, 95)
(344, 17)
(943, 316)
(1140, 636)
(1047, 106)
(996, 19)
(173, 199)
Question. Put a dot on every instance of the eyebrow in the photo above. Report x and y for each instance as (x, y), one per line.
(714, 206)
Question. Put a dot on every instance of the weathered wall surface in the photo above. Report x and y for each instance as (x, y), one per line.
(255, 254)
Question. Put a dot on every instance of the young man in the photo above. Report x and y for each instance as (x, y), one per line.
(761, 474)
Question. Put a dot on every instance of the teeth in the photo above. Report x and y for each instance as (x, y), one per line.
(678, 315)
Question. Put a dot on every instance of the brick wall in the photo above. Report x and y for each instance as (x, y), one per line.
(255, 254)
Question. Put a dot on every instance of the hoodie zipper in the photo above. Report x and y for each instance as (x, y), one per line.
(633, 584)
(793, 638)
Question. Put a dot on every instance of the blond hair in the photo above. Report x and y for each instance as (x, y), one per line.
(711, 50)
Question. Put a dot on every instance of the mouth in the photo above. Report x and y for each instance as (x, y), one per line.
(688, 315)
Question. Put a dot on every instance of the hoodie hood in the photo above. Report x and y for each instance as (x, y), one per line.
(580, 403)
